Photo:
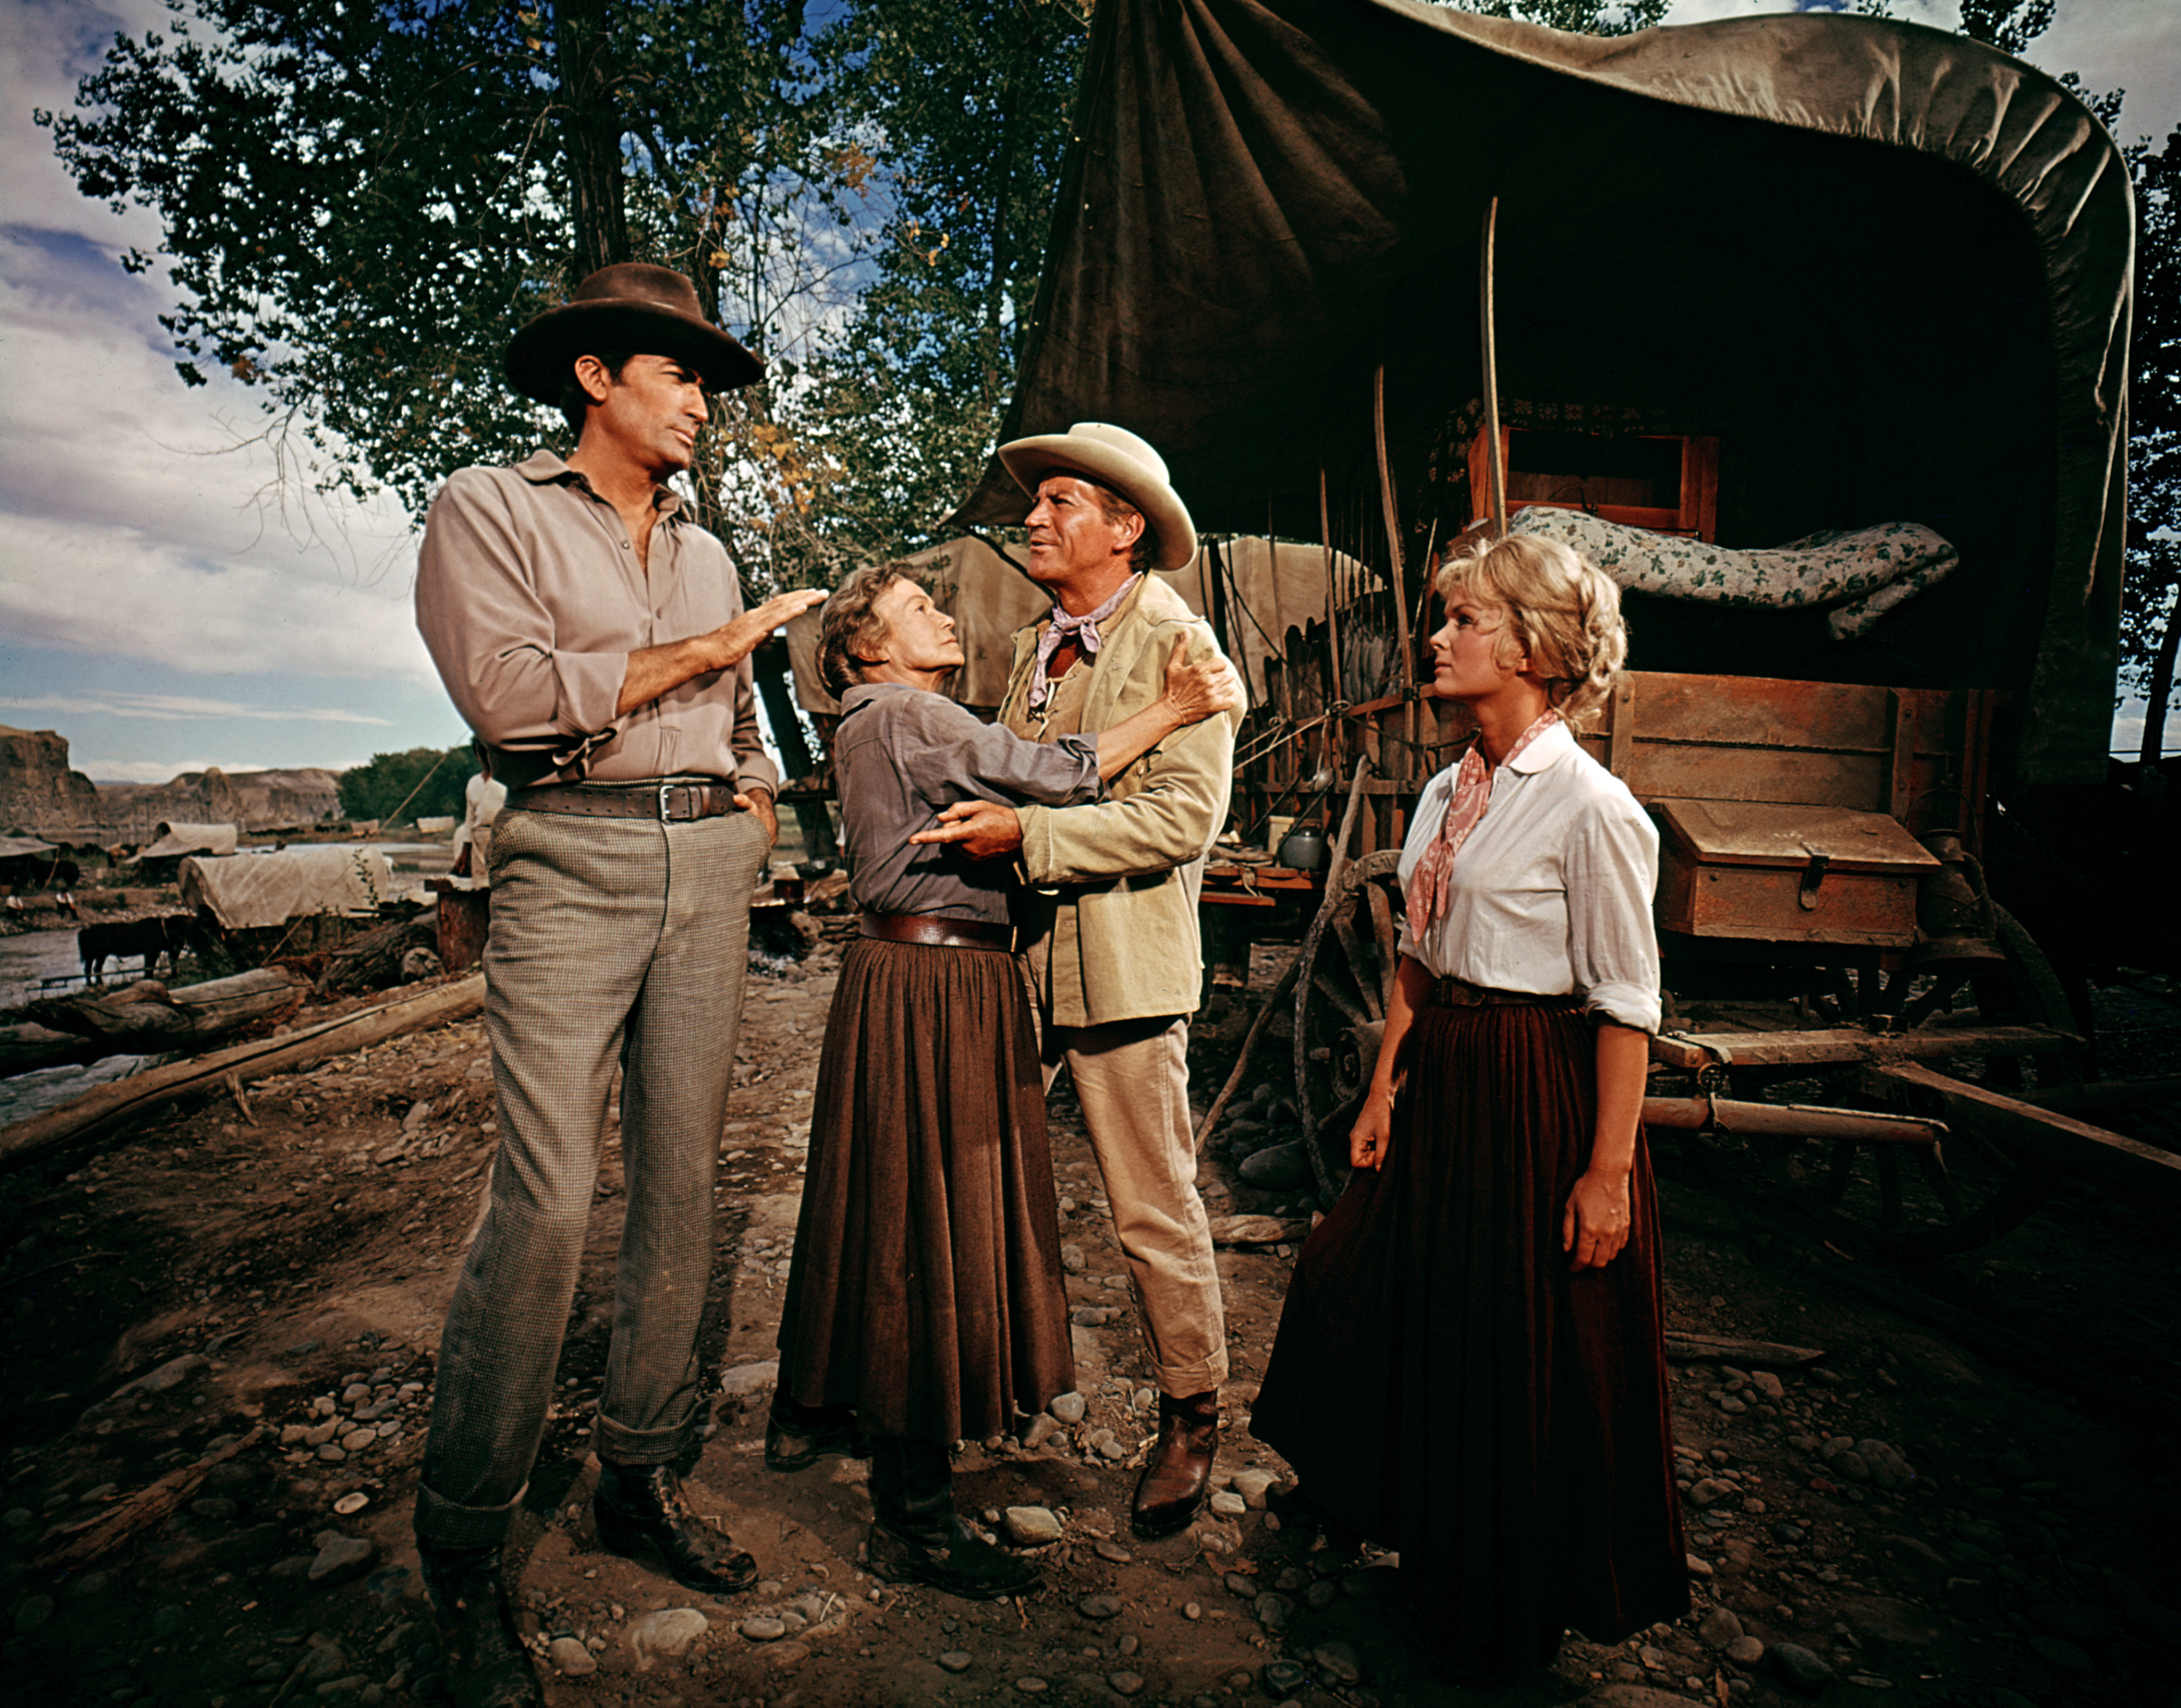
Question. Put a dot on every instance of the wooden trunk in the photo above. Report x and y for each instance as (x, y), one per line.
(1788, 874)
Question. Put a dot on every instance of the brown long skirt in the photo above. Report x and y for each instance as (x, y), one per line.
(1443, 1383)
(925, 1289)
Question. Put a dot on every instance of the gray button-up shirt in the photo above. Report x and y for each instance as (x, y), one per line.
(900, 754)
(530, 599)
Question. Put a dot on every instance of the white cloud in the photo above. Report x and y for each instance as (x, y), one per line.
(169, 707)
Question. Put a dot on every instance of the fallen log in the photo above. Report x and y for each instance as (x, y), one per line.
(104, 1108)
(133, 1514)
(25, 1049)
(146, 1018)
(1709, 1349)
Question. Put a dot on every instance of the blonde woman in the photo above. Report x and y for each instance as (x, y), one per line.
(1469, 1366)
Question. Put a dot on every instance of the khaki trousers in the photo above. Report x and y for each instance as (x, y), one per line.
(1131, 1078)
(613, 941)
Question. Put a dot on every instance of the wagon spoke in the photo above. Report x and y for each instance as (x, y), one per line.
(1389, 942)
(1359, 965)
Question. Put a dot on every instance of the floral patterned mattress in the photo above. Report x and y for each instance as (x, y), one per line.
(1861, 573)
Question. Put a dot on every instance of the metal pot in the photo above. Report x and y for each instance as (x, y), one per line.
(1303, 849)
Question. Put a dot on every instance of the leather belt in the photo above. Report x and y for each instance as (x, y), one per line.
(935, 932)
(662, 803)
(1459, 993)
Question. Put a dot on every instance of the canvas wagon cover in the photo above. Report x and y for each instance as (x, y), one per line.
(1888, 266)
(269, 889)
(177, 838)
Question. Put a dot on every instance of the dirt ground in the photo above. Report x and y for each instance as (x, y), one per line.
(1966, 1500)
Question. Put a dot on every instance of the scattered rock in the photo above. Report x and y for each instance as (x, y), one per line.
(666, 1635)
(956, 1660)
(171, 1374)
(1272, 1610)
(1277, 1167)
(1111, 1553)
(570, 1659)
(1031, 1527)
(1125, 1684)
(1253, 1486)
(1745, 1651)
(1337, 1663)
(1800, 1670)
(1068, 1408)
(340, 1558)
(1719, 1627)
(1098, 1606)
(1228, 1504)
(756, 1377)
(1073, 1260)
(1282, 1679)
(763, 1629)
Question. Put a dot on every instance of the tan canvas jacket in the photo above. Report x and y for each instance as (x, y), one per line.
(1123, 874)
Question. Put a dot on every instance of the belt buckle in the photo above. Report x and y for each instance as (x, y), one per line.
(666, 813)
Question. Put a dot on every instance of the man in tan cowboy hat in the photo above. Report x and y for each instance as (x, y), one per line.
(1118, 961)
(594, 639)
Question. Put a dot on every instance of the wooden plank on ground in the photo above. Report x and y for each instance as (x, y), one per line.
(1838, 1044)
(1693, 1349)
(2076, 1145)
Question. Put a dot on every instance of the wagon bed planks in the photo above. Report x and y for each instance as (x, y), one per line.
(1842, 1044)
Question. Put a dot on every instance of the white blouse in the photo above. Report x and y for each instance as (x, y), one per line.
(1552, 892)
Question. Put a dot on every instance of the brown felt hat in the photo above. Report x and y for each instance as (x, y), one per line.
(634, 306)
(1112, 457)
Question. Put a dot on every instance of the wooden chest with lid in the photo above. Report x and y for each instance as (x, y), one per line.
(1787, 873)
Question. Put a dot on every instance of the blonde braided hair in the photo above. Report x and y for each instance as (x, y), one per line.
(1562, 609)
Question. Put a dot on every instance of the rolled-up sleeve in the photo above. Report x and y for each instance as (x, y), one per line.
(958, 749)
(493, 637)
(1612, 871)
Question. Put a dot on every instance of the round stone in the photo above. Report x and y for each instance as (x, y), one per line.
(1745, 1651)
(1068, 1408)
(1098, 1606)
(760, 1628)
(571, 1658)
(955, 1660)
(1032, 1687)
(1125, 1684)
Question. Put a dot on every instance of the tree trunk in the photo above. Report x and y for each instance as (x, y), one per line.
(769, 664)
(591, 133)
(2161, 683)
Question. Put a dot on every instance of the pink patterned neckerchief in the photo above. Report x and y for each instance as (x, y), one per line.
(1082, 630)
(1472, 792)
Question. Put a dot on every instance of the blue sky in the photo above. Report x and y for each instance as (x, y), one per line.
(168, 600)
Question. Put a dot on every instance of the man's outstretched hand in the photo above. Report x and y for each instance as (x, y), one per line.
(984, 830)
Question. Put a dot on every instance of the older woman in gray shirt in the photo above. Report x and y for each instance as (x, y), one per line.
(924, 1301)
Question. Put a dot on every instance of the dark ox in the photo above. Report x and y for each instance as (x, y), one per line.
(162, 934)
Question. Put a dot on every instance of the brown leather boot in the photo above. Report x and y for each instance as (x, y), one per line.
(1179, 1478)
(641, 1510)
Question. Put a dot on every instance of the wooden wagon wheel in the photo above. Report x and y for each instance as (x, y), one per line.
(1968, 1191)
(1344, 981)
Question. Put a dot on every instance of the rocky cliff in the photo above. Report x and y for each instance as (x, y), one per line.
(37, 788)
(38, 792)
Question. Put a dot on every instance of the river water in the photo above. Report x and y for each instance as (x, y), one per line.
(25, 963)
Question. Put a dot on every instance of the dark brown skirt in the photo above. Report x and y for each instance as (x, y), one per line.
(925, 1289)
(1444, 1384)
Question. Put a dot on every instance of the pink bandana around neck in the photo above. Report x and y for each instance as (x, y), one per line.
(1082, 630)
(1472, 792)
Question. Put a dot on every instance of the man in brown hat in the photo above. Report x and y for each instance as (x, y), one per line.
(1116, 954)
(594, 639)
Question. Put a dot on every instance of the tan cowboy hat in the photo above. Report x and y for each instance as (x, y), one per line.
(1113, 457)
(634, 307)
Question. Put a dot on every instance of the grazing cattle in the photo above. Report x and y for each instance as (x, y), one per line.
(161, 934)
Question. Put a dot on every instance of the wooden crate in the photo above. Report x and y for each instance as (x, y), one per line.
(1787, 874)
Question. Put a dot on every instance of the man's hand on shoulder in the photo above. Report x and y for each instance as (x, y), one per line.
(758, 801)
(984, 830)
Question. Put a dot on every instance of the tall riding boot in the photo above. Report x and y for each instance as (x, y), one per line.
(1177, 1481)
(487, 1666)
(641, 1509)
(917, 1535)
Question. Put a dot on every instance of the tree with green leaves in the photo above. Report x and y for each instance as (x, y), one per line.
(359, 202)
(421, 783)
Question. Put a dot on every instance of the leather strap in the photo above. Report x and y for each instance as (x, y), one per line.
(1459, 993)
(662, 803)
(935, 932)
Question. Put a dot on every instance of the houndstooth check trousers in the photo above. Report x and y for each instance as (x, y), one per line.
(613, 940)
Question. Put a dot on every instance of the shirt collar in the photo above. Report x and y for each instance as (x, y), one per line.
(547, 468)
(863, 694)
(1551, 746)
